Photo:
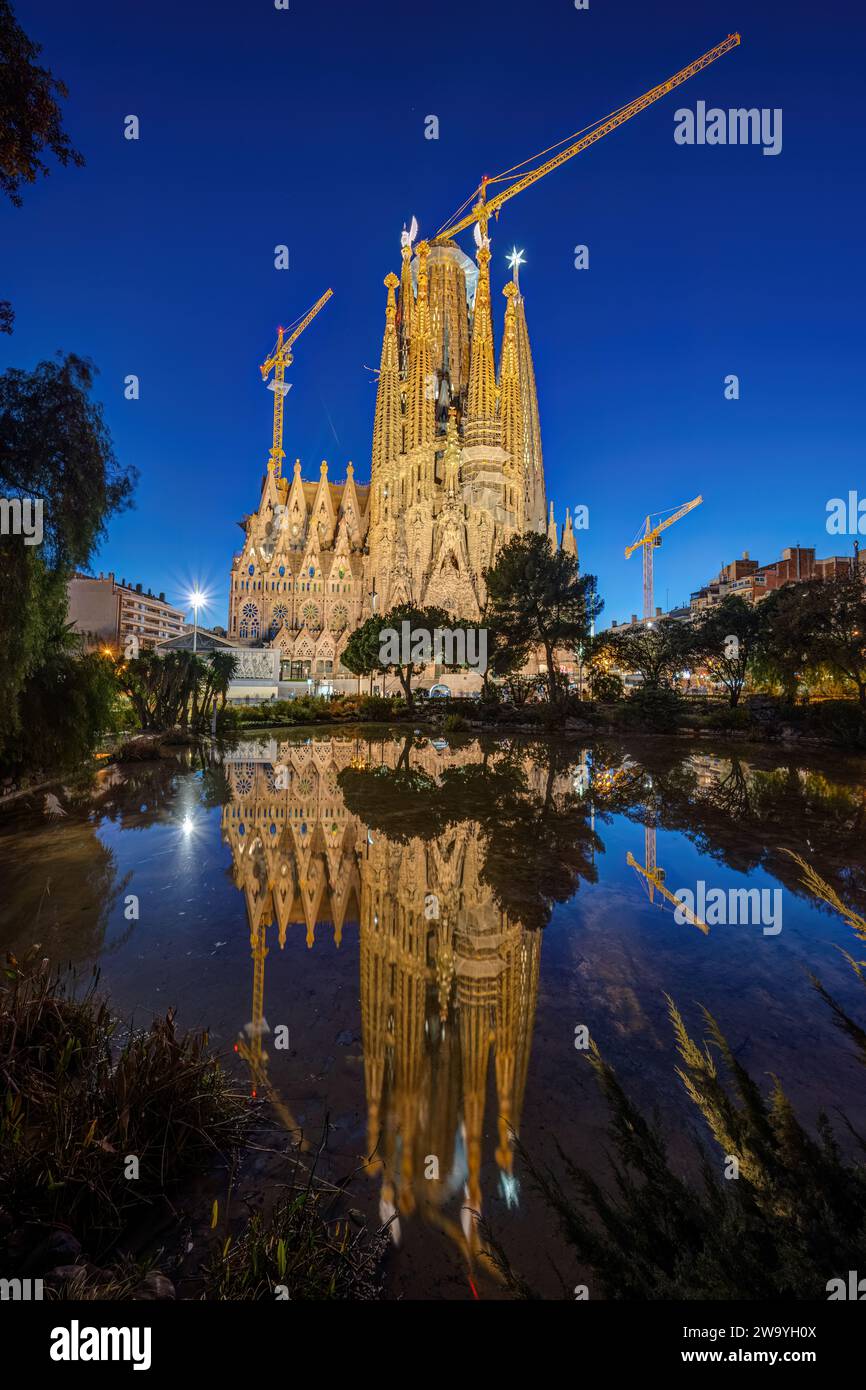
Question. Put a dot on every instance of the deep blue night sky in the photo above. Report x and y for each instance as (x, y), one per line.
(306, 127)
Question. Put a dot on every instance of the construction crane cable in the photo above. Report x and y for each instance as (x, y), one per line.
(565, 151)
(665, 512)
(506, 173)
(454, 216)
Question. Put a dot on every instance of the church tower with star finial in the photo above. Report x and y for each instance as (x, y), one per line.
(457, 466)
(456, 471)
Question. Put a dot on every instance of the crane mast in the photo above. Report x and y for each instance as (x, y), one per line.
(650, 540)
(279, 359)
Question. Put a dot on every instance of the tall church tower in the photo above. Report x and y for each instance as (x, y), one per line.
(456, 470)
(456, 463)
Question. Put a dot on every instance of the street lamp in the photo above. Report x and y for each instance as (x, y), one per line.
(197, 599)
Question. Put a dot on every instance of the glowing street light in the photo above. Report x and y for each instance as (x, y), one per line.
(198, 600)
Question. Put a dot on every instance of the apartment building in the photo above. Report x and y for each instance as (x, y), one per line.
(746, 579)
(109, 611)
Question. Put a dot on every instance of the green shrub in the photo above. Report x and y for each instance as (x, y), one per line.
(841, 721)
(317, 709)
(379, 708)
(68, 702)
(454, 724)
(730, 719)
(605, 686)
(459, 704)
(229, 721)
(660, 711)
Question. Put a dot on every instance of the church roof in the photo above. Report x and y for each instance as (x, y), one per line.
(205, 641)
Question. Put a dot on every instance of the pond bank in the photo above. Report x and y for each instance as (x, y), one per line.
(116, 1146)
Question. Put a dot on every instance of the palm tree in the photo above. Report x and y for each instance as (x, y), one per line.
(221, 672)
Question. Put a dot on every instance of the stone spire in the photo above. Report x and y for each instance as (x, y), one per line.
(552, 534)
(510, 407)
(569, 541)
(387, 427)
(533, 464)
(481, 424)
(407, 302)
(420, 395)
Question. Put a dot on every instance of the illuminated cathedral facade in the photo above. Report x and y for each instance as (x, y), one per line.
(456, 470)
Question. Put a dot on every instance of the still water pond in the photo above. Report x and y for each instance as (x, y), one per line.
(426, 924)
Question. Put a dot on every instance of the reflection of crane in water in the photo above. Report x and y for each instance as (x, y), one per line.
(250, 1044)
(654, 879)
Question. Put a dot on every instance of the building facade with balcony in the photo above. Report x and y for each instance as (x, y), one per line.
(109, 613)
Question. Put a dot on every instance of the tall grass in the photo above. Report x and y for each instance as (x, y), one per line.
(80, 1106)
(302, 1250)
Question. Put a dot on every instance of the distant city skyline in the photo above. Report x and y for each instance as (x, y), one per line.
(157, 259)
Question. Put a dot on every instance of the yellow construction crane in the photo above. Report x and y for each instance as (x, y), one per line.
(655, 879)
(650, 539)
(279, 359)
(250, 1044)
(483, 208)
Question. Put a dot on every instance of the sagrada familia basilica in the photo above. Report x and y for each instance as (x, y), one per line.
(456, 470)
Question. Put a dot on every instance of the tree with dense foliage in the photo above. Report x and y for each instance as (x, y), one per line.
(31, 124)
(654, 651)
(505, 657)
(788, 617)
(815, 625)
(30, 120)
(54, 450)
(726, 640)
(837, 640)
(604, 686)
(369, 651)
(176, 689)
(537, 597)
(67, 699)
(54, 444)
(361, 652)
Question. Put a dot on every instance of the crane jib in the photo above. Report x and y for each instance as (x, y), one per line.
(484, 207)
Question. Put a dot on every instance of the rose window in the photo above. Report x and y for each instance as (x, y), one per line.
(249, 620)
(244, 774)
(278, 617)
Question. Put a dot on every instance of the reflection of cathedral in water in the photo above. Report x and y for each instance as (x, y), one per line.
(448, 980)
